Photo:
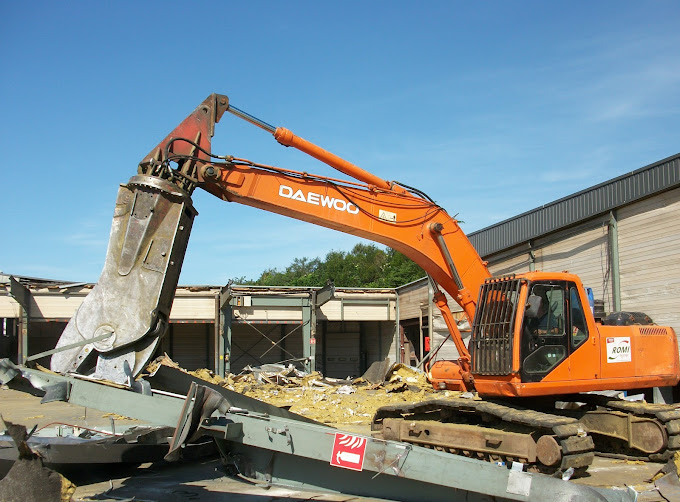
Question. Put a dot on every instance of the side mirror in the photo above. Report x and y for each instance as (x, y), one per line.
(534, 304)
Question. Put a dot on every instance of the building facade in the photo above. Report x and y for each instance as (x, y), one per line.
(337, 331)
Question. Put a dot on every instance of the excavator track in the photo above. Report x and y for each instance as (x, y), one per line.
(490, 431)
(630, 429)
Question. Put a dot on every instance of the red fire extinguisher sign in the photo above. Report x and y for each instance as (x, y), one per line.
(348, 451)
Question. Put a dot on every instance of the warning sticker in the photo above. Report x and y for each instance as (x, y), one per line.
(619, 349)
(387, 216)
(348, 452)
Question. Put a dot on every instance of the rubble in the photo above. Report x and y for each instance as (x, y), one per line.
(335, 402)
(29, 479)
(667, 480)
(62, 445)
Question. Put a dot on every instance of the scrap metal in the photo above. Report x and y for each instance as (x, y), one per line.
(286, 451)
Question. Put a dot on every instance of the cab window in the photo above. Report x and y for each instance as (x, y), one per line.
(544, 337)
(579, 328)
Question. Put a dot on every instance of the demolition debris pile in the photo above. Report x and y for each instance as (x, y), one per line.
(335, 402)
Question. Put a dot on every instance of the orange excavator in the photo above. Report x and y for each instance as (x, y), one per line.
(534, 338)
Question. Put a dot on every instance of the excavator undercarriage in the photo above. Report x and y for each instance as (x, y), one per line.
(547, 441)
(628, 429)
(491, 431)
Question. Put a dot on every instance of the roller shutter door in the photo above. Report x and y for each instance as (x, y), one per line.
(343, 349)
(191, 344)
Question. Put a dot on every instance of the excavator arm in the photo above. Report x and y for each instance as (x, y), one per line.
(127, 312)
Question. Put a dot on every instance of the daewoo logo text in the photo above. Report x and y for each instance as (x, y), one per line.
(318, 200)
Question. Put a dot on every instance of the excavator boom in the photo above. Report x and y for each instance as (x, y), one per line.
(153, 219)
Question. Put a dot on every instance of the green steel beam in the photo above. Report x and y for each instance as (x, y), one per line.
(614, 260)
(224, 336)
(298, 455)
(217, 342)
(397, 337)
(308, 348)
(156, 409)
(23, 297)
(323, 295)
(265, 301)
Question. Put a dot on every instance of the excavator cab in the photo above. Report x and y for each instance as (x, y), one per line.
(552, 330)
(526, 326)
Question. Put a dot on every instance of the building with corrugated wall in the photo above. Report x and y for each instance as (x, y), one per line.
(622, 237)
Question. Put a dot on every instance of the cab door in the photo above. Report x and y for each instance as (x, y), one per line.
(584, 354)
(545, 344)
(553, 335)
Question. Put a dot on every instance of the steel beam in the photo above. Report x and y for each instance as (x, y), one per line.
(23, 297)
(155, 409)
(292, 453)
(224, 337)
(268, 301)
(308, 348)
(614, 260)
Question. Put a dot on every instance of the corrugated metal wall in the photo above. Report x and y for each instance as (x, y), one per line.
(9, 308)
(649, 250)
(514, 265)
(62, 304)
(583, 251)
(357, 307)
(649, 257)
(199, 305)
(50, 305)
(440, 332)
(585, 254)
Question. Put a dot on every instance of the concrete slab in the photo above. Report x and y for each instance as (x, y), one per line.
(197, 481)
(608, 472)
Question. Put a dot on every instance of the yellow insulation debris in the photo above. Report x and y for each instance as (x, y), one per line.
(328, 402)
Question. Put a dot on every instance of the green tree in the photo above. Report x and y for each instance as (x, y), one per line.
(365, 266)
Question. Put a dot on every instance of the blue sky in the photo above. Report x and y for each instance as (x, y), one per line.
(492, 108)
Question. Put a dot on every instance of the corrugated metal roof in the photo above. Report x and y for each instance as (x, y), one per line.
(570, 210)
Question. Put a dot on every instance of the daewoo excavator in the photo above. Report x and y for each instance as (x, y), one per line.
(534, 339)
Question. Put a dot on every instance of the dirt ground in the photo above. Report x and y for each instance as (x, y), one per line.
(205, 481)
(24, 408)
